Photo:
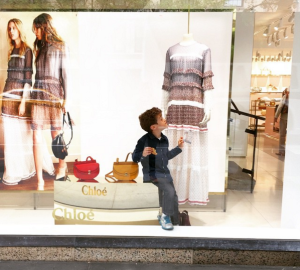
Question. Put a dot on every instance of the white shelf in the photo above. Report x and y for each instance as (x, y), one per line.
(271, 75)
(270, 92)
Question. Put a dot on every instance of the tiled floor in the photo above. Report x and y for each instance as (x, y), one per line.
(262, 208)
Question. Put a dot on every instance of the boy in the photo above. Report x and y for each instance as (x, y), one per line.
(152, 151)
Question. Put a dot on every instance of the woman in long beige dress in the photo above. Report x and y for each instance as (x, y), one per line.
(18, 154)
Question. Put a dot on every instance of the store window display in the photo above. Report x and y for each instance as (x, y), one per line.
(137, 75)
(136, 72)
(186, 100)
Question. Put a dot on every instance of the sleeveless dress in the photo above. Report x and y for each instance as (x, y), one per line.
(187, 75)
(18, 141)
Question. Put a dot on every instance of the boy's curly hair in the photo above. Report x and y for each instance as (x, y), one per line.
(149, 118)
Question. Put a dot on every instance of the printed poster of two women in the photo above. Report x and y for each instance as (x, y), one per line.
(38, 85)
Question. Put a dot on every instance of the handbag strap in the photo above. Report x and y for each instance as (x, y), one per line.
(110, 176)
(70, 125)
(117, 160)
(127, 156)
(87, 159)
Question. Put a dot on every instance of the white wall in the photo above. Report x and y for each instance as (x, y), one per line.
(291, 186)
(241, 81)
(122, 58)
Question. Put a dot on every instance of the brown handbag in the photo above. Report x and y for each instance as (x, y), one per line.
(185, 219)
(125, 171)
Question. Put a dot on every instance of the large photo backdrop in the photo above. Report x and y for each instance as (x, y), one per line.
(122, 58)
(13, 134)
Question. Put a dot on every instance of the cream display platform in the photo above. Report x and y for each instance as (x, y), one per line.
(105, 203)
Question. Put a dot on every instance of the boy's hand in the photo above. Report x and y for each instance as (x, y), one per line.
(147, 151)
(181, 142)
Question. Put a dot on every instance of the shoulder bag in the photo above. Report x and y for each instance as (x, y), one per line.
(87, 169)
(59, 147)
(123, 171)
(185, 219)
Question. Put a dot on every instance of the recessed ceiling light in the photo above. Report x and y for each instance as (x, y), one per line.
(278, 25)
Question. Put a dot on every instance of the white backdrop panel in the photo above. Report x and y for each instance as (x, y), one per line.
(122, 58)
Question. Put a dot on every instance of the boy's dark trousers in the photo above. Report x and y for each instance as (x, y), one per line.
(168, 199)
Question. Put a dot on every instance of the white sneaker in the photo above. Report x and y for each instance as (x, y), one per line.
(166, 223)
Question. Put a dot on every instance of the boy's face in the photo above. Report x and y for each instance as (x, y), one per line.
(161, 123)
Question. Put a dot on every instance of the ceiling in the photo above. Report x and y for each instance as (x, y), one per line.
(264, 19)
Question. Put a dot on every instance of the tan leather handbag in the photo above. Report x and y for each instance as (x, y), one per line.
(124, 171)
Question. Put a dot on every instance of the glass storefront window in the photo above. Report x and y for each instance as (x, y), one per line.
(111, 67)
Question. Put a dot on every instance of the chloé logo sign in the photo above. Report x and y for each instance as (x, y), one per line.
(60, 214)
(75, 214)
(87, 190)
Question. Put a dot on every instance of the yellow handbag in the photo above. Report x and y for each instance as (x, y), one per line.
(125, 171)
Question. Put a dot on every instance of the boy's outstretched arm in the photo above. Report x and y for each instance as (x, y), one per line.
(177, 150)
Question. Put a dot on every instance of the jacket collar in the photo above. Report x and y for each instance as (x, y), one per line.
(152, 137)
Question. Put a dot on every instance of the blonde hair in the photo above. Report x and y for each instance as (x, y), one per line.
(19, 26)
(49, 34)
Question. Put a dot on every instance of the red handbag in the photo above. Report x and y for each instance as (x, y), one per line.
(88, 169)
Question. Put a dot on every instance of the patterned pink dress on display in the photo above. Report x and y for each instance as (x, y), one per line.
(187, 75)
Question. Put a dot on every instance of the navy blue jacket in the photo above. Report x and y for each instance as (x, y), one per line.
(155, 166)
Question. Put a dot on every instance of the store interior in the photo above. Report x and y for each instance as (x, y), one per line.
(271, 75)
(271, 68)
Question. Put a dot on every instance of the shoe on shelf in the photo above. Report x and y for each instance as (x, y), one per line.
(280, 154)
(166, 223)
(61, 174)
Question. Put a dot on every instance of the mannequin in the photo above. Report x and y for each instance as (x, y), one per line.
(186, 102)
(207, 107)
(187, 40)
